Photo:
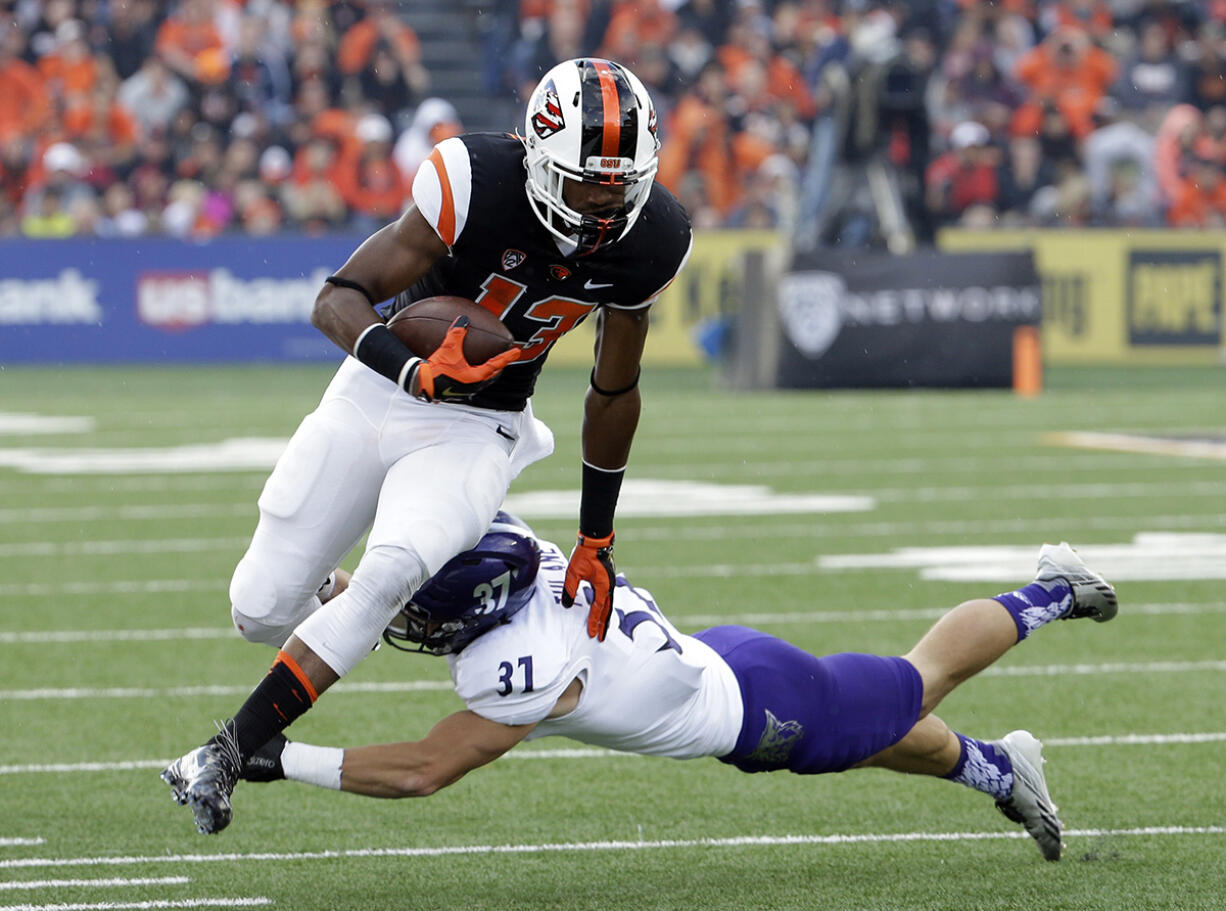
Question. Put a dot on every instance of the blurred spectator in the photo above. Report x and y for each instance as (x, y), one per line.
(1200, 201)
(381, 36)
(120, 217)
(69, 70)
(130, 35)
(1119, 160)
(154, 95)
(1153, 78)
(964, 176)
(1023, 173)
(367, 177)
(195, 117)
(259, 77)
(311, 197)
(63, 169)
(1065, 71)
(24, 102)
(433, 121)
(190, 43)
(48, 217)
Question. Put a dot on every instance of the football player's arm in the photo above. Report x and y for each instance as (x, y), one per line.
(610, 417)
(392, 259)
(389, 261)
(453, 748)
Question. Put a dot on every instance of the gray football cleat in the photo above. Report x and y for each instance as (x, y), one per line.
(1093, 596)
(204, 779)
(1030, 804)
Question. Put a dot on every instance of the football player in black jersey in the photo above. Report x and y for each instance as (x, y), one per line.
(542, 229)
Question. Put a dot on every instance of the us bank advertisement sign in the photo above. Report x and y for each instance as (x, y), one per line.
(103, 301)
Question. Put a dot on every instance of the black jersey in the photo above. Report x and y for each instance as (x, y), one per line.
(471, 191)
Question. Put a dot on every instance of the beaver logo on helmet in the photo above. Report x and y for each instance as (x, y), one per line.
(548, 119)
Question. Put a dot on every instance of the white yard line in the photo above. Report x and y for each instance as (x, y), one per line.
(132, 692)
(1165, 489)
(20, 842)
(141, 906)
(708, 531)
(586, 753)
(686, 621)
(32, 884)
(570, 847)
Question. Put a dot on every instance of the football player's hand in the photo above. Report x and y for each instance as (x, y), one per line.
(265, 763)
(447, 374)
(592, 561)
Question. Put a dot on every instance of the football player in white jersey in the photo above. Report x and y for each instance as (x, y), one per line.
(543, 230)
(526, 668)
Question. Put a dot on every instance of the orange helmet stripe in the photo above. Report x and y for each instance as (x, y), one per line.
(611, 140)
(446, 214)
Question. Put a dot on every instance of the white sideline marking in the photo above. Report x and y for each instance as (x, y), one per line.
(409, 686)
(688, 621)
(1126, 442)
(1149, 556)
(132, 692)
(566, 847)
(677, 499)
(600, 753)
(92, 883)
(122, 587)
(129, 546)
(140, 906)
(17, 842)
(708, 531)
(238, 454)
(24, 423)
(117, 635)
(1118, 667)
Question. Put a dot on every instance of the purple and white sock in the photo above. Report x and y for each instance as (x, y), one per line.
(1036, 604)
(983, 767)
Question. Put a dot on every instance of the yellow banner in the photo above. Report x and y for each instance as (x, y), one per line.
(1120, 297)
(712, 284)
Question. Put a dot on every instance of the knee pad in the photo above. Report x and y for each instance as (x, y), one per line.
(343, 631)
(254, 630)
(263, 612)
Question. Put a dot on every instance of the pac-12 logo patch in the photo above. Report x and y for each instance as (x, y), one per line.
(559, 273)
(548, 118)
(512, 258)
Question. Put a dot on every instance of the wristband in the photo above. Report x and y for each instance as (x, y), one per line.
(352, 286)
(613, 392)
(379, 349)
(598, 500)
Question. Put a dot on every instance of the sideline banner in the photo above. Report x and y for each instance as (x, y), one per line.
(1121, 297)
(237, 299)
(924, 319)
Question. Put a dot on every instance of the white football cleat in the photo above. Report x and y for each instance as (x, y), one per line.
(1093, 596)
(1030, 804)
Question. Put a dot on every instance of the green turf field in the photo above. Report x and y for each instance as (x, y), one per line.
(115, 656)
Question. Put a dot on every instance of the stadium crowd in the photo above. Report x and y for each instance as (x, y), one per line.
(198, 117)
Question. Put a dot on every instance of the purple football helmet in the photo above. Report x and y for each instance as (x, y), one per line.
(475, 591)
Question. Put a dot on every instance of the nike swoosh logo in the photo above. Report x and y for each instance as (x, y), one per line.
(590, 285)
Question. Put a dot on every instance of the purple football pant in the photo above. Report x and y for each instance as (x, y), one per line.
(812, 715)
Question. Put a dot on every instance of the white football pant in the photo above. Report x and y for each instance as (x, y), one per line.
(426, 479)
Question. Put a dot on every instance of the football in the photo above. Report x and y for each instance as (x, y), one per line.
(423, 324)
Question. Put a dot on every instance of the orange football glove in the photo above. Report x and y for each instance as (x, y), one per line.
(447, 374)
(592, 561)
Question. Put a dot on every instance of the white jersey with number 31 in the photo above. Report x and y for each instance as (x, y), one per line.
(647, 688)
